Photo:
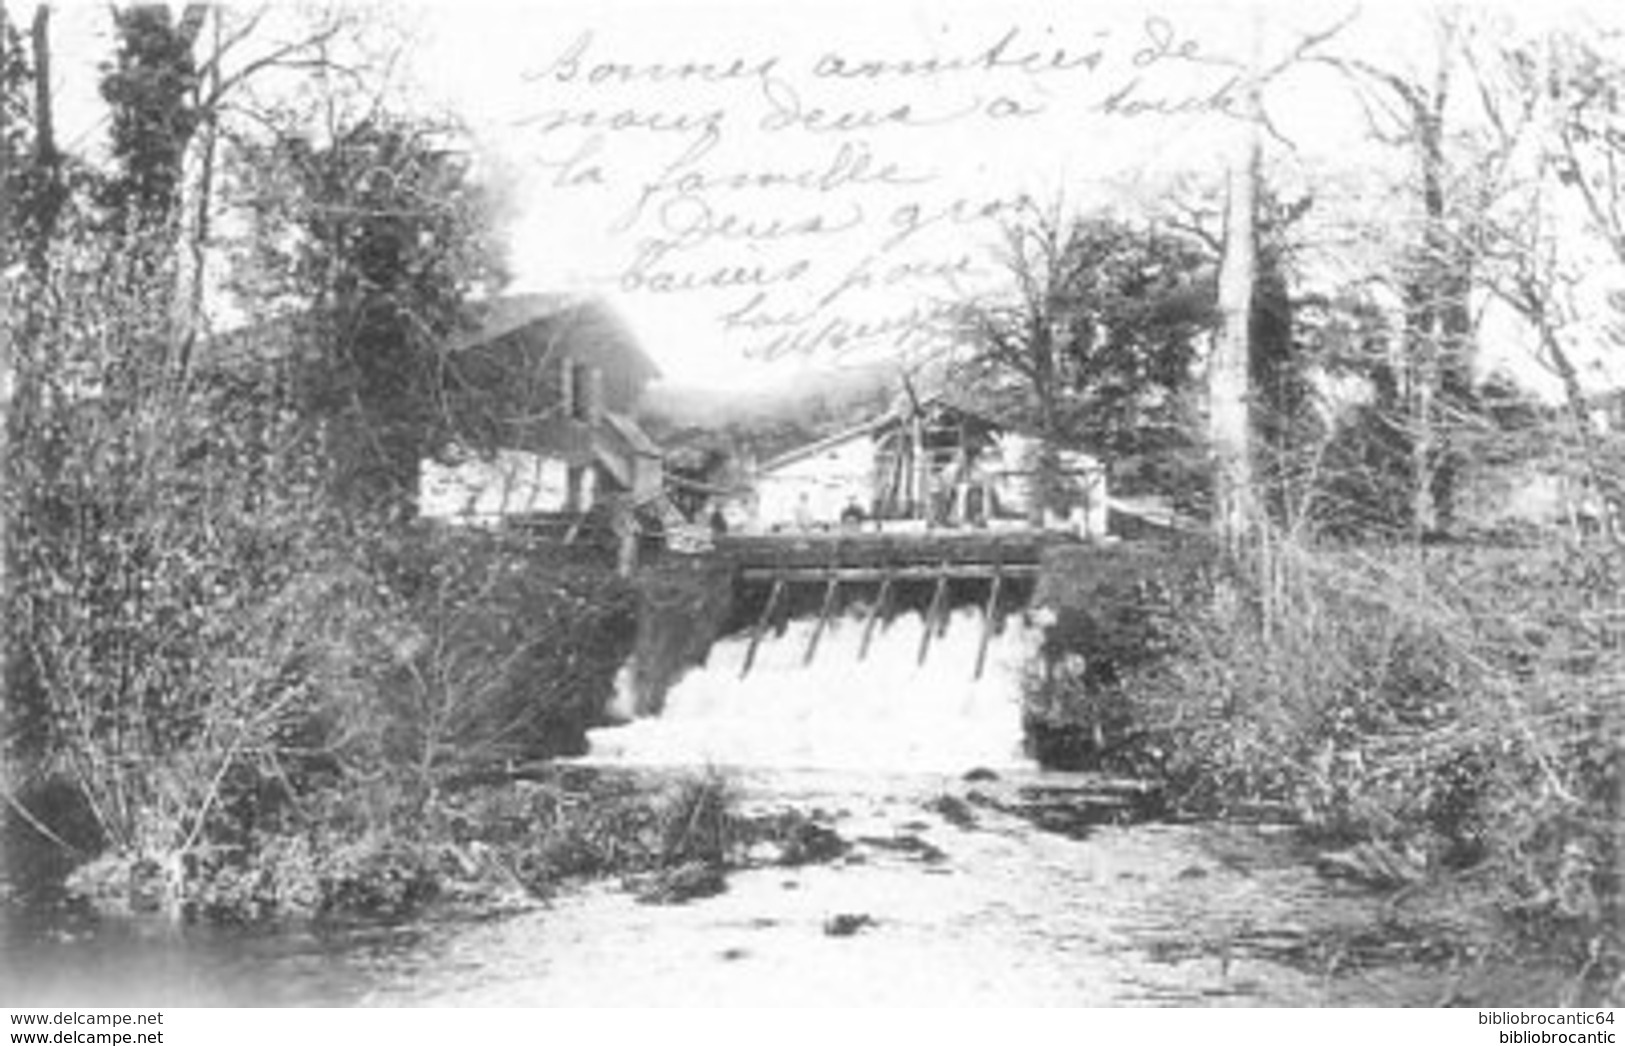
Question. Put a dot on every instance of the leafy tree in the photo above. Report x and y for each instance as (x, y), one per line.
(1097, 343)
(151, 89)
(179, 589)
(379, 238)
(34, 181)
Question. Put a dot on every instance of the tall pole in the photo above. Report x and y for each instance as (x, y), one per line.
(1229, 414)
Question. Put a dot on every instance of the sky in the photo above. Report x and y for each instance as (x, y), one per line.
(767, 189)
(770, 188)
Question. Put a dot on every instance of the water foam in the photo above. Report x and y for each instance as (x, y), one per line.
(886, 712)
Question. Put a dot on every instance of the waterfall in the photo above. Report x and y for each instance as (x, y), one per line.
(885, 713)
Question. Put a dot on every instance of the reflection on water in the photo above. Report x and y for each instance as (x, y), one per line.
(77, 961)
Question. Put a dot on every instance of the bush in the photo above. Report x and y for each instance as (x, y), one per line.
(684, 604)
(205, 650)
(511, 649)
(1443, 710)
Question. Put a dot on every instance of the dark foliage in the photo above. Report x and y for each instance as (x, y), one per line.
(1096, 344)
(515, 648)
(380, 238)
(151, 91)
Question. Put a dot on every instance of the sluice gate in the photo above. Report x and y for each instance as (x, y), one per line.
(886, 564)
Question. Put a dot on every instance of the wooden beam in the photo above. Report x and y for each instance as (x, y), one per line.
(906, 573)
(761, 626)
(868, 549)
(989, 617)
(875, 613)
(823, 618)
(938, 598)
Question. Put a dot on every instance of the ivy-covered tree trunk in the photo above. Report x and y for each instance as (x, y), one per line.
(379, 238)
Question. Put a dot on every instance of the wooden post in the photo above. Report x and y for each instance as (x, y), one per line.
(875, 613)
(989, 616)
(761, 625)
(918, 497)
(824, 611)
(938, 597)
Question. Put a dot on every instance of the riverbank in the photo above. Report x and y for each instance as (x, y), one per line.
(1441, 722)
(840, 889)
(486, 849)
(1351, 740)
(834, 889)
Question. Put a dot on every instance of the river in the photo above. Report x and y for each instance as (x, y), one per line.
(969, 878)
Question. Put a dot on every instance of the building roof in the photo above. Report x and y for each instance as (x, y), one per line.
(555, 317)
(499, 317)
(900, 412)
(813, 449)
(285, 337)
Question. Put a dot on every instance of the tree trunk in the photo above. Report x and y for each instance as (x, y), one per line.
(7, 310)
(1229, 417)
(1047, 465)
(1438, 318)
(46, 202)
(1425, 327)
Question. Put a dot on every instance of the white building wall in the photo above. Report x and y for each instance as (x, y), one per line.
(1012, 464)
(482, 490)
(829, 480)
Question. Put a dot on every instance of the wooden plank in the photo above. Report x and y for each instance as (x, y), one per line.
(937, 599)
(761, 626)
(878, 550)
(823, 619)
(989, 617)
(875, 613)
(903, 573)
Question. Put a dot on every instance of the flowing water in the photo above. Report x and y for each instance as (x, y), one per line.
(970, 877)
(887, 711)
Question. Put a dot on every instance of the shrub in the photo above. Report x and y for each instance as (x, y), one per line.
(1453, 709)
(510, 649)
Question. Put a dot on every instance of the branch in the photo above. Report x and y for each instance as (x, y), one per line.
(1603, 213)
(1307, 44)
(278, 57)
(224, 45)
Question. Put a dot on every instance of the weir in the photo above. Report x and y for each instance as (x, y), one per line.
(887, 712)
(872, 650)
(838, 649)
(882, 568)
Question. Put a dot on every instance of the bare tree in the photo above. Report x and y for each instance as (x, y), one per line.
(1551, 102)
(1412, 110)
